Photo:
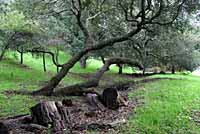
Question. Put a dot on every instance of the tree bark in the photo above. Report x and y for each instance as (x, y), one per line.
(57, 57)
(173, 69)
(120, 68)
(95, 102)
(109, 98)
(44, 62)
(103, 59)
(3, 129)
(21, 56)
(52, 113)
(143, 71)
(83, 62)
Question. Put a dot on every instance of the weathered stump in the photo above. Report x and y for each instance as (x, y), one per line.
(53, 114)
(3, 129)
(109, 98)
(95, 102)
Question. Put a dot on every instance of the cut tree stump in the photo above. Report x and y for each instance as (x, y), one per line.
(94, 102)
(3, 128)
(109, 98)
(54, 114)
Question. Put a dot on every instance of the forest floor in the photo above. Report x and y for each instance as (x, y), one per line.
(168, 106)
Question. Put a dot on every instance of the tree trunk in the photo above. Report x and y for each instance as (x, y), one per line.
(48, 89)
(54, 114)
(83, 62)
(109, 98)
(120, 68)
(44, 62)
(77, 89)
(173, 69)
(103, 59)
(3, 129)
(94, 80)
(21, 57)
(95, 102)
(57, 57)
(143, 71)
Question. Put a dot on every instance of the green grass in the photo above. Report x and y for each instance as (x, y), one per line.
(167, 107)
(92, 64)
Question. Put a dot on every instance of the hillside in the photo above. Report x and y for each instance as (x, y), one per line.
(165, 106)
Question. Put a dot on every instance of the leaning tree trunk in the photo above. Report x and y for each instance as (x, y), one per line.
(103, 59)
(48, 89)
(79, 89)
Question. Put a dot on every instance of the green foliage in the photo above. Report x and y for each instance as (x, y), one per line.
(16, 21)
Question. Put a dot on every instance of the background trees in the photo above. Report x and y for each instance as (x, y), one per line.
(82, 26)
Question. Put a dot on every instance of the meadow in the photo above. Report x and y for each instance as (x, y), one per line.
(169, 105)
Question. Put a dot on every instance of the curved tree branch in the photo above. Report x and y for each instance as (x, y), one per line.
(47, 52)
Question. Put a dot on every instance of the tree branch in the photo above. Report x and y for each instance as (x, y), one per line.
(47, 52)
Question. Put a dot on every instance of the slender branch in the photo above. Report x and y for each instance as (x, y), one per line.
(77, 11)
(47, 52)
(179, 7)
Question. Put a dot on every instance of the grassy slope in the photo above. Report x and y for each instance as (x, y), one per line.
(167, 108)
(167, 102)
(14, 76)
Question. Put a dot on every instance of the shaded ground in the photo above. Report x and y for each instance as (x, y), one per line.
(82, 121)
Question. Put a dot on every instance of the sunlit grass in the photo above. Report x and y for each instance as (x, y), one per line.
(167, 106)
